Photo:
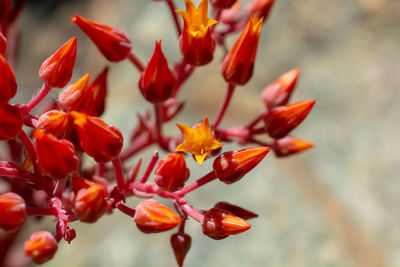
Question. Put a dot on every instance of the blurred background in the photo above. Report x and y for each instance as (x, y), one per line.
(335, 205)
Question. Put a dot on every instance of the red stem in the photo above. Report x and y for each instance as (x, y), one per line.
(119, 173)
(27, 143)
(159, 121)
(150, 167)
(223, 108)
(38, 211)
(189, 210)
(172, 8)
(198, 183)
(125, 209)
(37, 98)
(140, 143)
(136, 61)
(262, 115)
(60, 186)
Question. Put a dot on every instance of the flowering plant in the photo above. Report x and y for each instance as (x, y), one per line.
(45, 172)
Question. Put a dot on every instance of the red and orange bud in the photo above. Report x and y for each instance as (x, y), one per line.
(199, 140)
(259, 8)
(78, 183)
(54, 122)
(196, 42)
(8, 84)
(56, 158)
(219, 224)
(72, 97)
(56, 71)
(236, 210)
(290, 145)
(99, 88)
(282, 120)
(12, 211)
(90, 203)
(41, 247)
(180, 243)
(97, 139)
(222, 4)
(231, 166)
(11, 121)
(152, 217)
(157, 81)
(172, 173)
(237, 67)
(279, 92)
(3, 44)
(113, 43)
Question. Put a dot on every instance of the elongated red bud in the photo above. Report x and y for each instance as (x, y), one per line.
(282, 120)
(74, 97)
(237, 67)
(11, 121)
(8, 83)
(259, 8)
(236, 210)
(231, 166)
(54, 122)
(180, 243)
(219, 224)
(113, 43)
(12, 211)
(56, 158)
(157, 81)
(90, 203)
(152, 217)
(99, 88)
(279, 92)
(97, 139)
(222, 4)
(196, 42)
(3, 44)
(41, 247)
(290, 145)
(172, 173)
(56, 71)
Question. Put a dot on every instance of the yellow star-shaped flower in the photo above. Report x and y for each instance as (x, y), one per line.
(198, 141)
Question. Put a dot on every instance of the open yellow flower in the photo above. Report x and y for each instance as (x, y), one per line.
(198, 141)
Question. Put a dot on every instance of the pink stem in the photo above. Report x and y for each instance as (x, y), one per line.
(136, 61)
(262, 115)
(60, 186)
(125, 209)
(222, 109)
(38, 211)
(119, 173)
(140, 143)
(198, 183)
(37, 98)
(189, 210)
(150, 167)
(172, 8)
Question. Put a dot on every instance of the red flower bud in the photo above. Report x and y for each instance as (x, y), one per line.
(237, 67)
(41, 247)
(259, 8)
(72, 97)
(196, 42)
(231, 166)
(56, 158)
(11, 121)
(281, 120)
(12, 211)
(90, 203)
(152, 217)
(279, 92)
(223, 3)
(236, 210)
(8, 84)
(180, 243)
(114, 44)
(157, 80)
(290, 145)
(80, 183)
(54, 122)
(172, 173)
(219, 224)
(99, 88)
(97, 139)
(56, 71)
(3, 44)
